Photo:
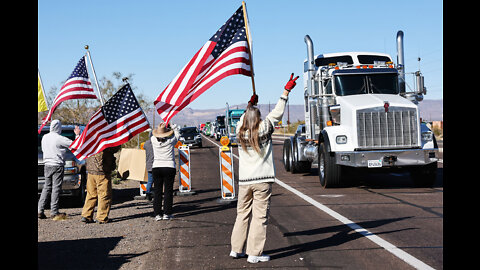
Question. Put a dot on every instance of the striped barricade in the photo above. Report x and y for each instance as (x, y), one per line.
(227, 174)
(184, 175)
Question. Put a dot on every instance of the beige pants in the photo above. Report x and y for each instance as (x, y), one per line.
(99, 188)
(254, 202)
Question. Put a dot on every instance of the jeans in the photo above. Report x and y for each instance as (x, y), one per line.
(52, 187)
(163, 188)
(150, 182)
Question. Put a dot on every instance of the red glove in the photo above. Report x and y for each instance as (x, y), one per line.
(253, 100)
(291, 83)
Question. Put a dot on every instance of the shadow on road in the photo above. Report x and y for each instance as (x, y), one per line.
(81, 254)
(378, 178)
(342, 234)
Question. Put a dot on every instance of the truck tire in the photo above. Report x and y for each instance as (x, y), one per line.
(329, 172)
(286, 154)
(83, 187)
(424, 176)
(299, 166)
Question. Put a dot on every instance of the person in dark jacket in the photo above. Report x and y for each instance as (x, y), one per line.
(99, 185)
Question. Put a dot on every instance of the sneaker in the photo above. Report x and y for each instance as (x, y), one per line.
(59, 216)
(41, 216)
(167, 217)
(158, 217)
(236, 255)
(86, 220)
(256, 259)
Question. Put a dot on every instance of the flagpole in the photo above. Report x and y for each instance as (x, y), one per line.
(94, 75)
(43, 91)
(245, 18)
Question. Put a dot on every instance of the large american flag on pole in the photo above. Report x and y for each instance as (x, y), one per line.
(77, 86)
(115, 123)
(225, 53)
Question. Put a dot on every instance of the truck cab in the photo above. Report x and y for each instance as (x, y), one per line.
(233, 116)
(220, 127)
(359, 114)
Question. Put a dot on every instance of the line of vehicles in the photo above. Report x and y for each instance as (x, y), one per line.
(223, 125)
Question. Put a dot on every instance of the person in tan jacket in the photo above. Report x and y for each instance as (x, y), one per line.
(99, 185)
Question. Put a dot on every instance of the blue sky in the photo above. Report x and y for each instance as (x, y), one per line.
(155, 39)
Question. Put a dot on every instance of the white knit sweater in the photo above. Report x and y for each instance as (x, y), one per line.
(259, 168)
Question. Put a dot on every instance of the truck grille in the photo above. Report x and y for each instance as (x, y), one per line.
(397, 128)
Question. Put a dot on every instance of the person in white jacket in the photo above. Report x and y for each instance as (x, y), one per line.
(163, 169)
(54, 148)
(256, 176)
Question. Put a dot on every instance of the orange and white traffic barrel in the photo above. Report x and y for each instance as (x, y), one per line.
(226, 170)
(143, 188)
(185, 184)
(143, 191)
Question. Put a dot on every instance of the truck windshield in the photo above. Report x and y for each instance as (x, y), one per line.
(221, 121)
(356, 84)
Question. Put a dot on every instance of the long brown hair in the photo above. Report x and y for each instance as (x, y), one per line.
(249, 131)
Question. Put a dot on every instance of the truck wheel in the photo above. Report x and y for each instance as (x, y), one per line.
(424, 176)
(328, 171)
(300, 166)
(286, 155)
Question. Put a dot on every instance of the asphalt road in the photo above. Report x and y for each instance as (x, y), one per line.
(380, 222)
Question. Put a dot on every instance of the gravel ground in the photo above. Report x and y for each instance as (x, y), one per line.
(120, 244)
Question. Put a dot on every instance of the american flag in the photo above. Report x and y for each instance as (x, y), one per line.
(77, 86)
(225, 53)
(116, 122)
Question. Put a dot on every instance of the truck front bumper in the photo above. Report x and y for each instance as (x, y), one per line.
(70, 184)
(387, 158)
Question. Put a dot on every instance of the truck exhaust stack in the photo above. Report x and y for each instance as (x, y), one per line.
(401, 61)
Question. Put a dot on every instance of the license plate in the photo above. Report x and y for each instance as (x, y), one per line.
(190, 144)
(374, 163)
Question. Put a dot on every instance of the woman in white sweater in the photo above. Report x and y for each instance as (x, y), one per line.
(163, 169)
(256, 175)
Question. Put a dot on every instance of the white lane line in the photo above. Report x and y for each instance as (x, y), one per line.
(377, 240)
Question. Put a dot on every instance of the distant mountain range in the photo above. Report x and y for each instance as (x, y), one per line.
(430, 110)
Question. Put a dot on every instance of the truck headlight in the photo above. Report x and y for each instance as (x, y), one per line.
(70, 167)
(70, 163)
(427, 136)
(335, 114)
(341, 139)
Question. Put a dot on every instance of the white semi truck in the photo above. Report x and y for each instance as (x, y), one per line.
(361, 113)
